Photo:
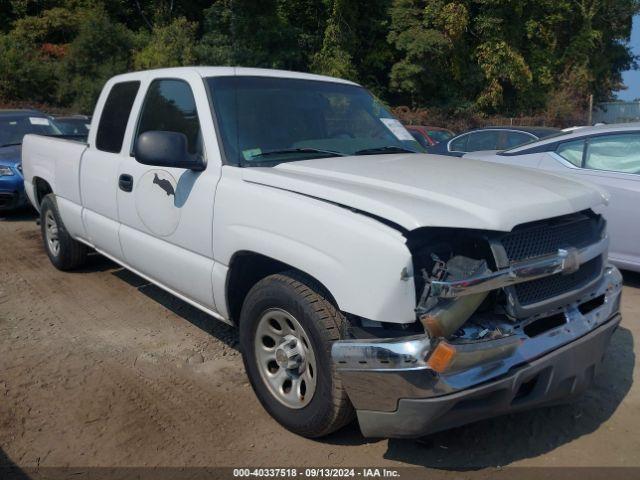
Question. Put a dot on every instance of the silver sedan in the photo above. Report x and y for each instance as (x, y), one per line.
(608, 156)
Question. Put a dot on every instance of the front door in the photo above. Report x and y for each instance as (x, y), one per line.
(166, 213)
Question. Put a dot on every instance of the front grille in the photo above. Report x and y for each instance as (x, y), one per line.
(548, 287)
(547, 237)
(543, 238)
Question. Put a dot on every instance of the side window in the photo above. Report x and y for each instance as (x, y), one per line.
(170, 107)
(572, 151)
(487, 140)
(115, 114)
(514, 139)
(459, 144)
(616, 153)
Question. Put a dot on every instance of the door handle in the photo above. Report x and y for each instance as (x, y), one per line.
(125, 182)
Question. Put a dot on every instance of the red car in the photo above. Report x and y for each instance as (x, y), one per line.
(428, 136)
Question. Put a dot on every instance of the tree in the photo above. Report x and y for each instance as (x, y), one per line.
(254, 33)
(476, 56)
(505, 56)
(31, 53)
(334, 58)
(172, 45)
(101, 49)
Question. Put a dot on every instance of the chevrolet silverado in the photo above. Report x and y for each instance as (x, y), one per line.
(366, 277)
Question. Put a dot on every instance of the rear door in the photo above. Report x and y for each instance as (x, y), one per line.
(166, 213)
(100, 165)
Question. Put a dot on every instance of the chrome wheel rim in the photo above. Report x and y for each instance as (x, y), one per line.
(285, 358)
(51, 233)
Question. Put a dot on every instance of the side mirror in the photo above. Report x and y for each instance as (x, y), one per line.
(166, 149)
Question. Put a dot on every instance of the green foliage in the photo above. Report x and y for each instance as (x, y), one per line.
(334, 58)
(172, 45)
(101, 49)
(482, 56)
(505, 56)
(25, 72)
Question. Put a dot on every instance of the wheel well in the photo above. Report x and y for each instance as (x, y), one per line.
(248, 268)
(41, 188)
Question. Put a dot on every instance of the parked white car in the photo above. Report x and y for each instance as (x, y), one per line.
(605, 155)
(419, 291)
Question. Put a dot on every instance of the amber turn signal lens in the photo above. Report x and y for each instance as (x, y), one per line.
(441, 357)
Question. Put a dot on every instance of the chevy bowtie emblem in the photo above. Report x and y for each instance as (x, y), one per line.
(570, 260)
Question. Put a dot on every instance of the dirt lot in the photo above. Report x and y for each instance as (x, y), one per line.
(99, 368)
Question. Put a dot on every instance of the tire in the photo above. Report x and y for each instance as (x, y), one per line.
(69, 253)
(328, 408)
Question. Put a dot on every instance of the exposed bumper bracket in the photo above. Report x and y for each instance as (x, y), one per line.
(565, 261)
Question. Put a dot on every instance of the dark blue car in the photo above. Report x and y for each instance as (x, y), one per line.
(15, 124)
(490, 138)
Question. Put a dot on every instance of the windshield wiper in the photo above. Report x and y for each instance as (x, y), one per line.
(10, 144)
(385, 149)
(251, 162)
(285, 151)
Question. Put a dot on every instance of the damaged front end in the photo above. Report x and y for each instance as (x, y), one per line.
(491, 305)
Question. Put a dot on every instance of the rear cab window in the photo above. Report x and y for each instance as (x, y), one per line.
(115, 115)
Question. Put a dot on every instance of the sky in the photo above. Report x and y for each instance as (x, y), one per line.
(632, 77)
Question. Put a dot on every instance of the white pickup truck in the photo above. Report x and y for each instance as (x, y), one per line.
(418, 291)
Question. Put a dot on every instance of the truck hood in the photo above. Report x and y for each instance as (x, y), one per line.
(416, 190)
(10, 156)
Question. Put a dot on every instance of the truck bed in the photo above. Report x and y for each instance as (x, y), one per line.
(55, 160)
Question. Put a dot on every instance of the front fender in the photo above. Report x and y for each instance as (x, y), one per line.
(358, 259)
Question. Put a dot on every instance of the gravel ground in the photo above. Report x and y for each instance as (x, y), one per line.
(99, 368)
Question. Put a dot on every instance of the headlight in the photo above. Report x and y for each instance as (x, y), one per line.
(6, 172)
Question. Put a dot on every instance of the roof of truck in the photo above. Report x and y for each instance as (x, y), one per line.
(230, 71)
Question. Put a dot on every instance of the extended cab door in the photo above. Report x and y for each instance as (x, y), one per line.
(166, 213)
(100, 165)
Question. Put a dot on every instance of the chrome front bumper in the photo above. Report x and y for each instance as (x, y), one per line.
(378, 374)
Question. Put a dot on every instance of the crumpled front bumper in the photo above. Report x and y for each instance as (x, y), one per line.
(397, 394)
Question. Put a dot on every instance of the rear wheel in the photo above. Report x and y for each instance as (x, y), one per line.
(287, 326)
(64, 252)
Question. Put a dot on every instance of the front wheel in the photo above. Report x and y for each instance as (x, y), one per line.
(287, 326)
(64, 252)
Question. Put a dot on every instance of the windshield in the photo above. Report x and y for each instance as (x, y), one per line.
(73, 126)
(14, 127)
(274, 120)
(440, 135)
